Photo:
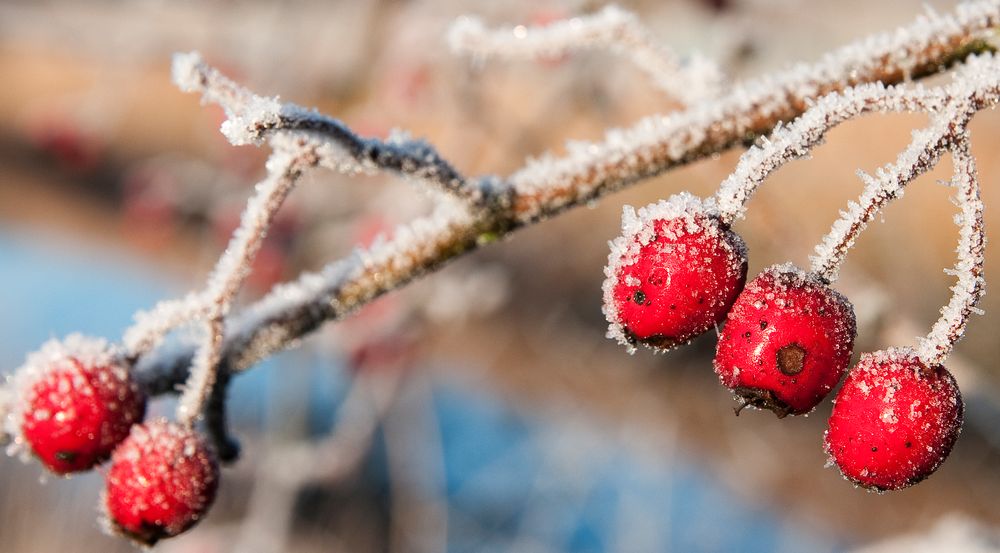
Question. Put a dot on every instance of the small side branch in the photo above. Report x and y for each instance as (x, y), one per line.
(284, 169)
(971, 286)
(150, 327)
(694, 80)
(250, 119)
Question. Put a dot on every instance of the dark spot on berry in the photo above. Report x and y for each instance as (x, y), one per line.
(639, 297)
(66, 456)
(791, 359)
(701, 300)
(874, 449)
(763, 325)
(746, 334)
(908, 444)
(672, 306)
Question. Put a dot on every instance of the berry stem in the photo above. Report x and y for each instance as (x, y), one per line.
(150, 327)
(920, 156)
(971, 249)
(285, 166)
(694, 80)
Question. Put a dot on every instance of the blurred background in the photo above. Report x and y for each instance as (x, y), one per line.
(482, 408)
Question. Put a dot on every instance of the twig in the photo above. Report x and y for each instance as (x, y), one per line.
(969, 289)
(151, 326)
(284, 167)
(693, 81)
(251, 118)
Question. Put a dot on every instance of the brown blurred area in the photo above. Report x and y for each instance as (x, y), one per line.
(96, 142)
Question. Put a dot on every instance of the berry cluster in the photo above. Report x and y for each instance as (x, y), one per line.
(678, 271)
(79, 406)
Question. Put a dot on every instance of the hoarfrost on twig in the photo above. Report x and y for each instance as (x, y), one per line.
(251, 118)
(284, 168)
(690, 81)
(151, 326)
(796, 140)
(971, 286)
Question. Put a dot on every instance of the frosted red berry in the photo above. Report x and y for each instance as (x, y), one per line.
(894, 421)
(672, 275)
(78, 402)
(162, 481)
(787, 341)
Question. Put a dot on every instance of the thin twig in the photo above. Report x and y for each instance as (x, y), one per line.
(694, 80)
(151, 326)
(252, 118)
(285, 166)
(969, 289)
(798, 139)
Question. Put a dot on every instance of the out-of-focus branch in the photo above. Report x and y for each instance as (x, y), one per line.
(285, 470)
(549, 185)
(689, 81)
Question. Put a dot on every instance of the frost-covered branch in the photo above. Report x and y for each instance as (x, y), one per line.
(251, 118)
(658, 143)
(970, 287)
(549, 185)
(151, 326)
(690, 81)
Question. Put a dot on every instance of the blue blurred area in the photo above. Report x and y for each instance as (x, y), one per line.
(514, 480)
(563, 485)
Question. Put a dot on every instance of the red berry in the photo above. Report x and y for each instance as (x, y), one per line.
(894, 421)
(162, 480)
(79, 402)
(787, 341)
(672, 275)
